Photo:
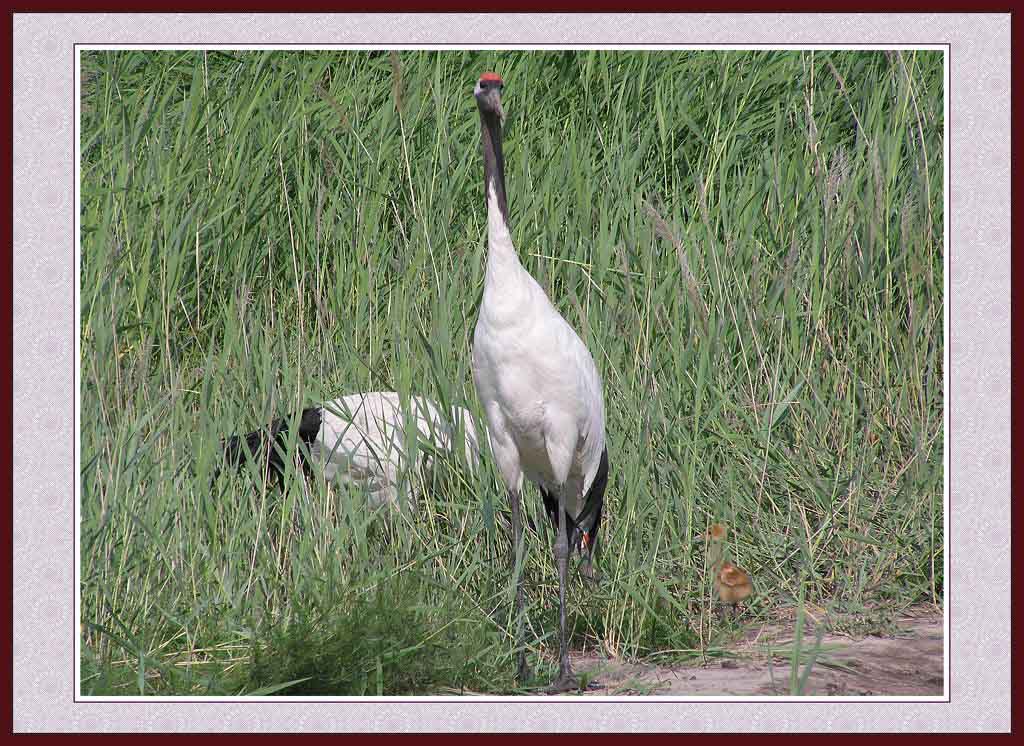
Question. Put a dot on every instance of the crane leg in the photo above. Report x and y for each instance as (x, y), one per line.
(522, 670)
(565, 681)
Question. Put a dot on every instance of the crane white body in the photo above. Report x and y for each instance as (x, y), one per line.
(536, 380)
(364, 439)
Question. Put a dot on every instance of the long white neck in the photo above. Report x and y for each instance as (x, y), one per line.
(502, 258)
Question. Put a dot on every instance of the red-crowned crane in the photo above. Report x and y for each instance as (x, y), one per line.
(361, 439)
(539, 389)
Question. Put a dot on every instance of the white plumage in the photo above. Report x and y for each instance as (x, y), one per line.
(536, 380)
(539, 388)
(364, 438)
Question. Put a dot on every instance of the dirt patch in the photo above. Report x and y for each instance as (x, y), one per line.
(907, 662)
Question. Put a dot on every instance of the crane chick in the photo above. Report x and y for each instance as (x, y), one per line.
(732, 583)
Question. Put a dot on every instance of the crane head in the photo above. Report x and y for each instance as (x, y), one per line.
(488, 94)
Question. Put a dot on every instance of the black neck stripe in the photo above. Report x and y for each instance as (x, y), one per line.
(494, 160)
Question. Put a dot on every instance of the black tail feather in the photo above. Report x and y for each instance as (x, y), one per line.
(267, 446)
(589, 520)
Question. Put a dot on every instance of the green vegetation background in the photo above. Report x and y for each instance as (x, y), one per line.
(749, 242)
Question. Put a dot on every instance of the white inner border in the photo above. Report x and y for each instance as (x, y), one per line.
(944, 48)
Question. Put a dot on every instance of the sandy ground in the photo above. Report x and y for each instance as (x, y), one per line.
(909, 662)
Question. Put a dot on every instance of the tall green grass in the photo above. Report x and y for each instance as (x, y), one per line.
(749, 242)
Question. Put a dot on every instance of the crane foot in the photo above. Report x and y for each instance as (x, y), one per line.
(565, 682)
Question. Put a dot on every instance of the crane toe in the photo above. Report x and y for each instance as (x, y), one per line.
(566, 682)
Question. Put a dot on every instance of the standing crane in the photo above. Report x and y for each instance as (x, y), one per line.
(539, 389)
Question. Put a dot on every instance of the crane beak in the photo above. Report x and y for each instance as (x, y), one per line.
(495, 100)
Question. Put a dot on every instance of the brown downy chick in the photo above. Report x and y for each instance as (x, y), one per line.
(732, 583)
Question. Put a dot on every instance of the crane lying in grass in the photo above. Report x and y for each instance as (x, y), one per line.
(539, 388)
(362, 439)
